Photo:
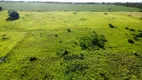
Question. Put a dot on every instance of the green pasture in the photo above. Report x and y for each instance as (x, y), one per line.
(31, 46)
(65, 7)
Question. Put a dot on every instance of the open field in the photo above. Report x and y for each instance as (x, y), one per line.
(32, 46)
(65, 7)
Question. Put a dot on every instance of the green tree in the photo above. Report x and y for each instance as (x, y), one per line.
(13, 15)
(1, 9)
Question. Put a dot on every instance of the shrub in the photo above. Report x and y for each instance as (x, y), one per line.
(62, 53)
(111, 26)
(1, 9)
(13, 15)
(69, 30)
(92, 41)
(105, 13)
(74, 12)
(139, 30)
(73, 57)
(75, 68)
(5, 37)
(130, 41)
(82, 19)
(127, 28)
(132, 30)
(139, 34)
(33, 59)
(56, 35)
(135, 38)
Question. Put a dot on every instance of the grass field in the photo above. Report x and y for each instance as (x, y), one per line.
(31, 46)
(65, 7)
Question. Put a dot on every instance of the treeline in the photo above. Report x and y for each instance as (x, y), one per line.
(130, 4)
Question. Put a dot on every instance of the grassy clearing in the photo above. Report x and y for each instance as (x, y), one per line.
(65, 7)
(45, 45)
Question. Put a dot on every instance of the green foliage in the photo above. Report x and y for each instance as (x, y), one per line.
(69, 30)
(111, 26)
(75, 67)
(62, 53)
(1, 9)
(105, 13)
(130, 29)
(139, 35)
(131, 41)
(125, 63)
(13, 15)
(33, 59)
(94, 41)
(73, 57)
(74, 12)
(5, 37)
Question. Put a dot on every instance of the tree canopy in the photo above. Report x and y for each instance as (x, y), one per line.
(13, 15)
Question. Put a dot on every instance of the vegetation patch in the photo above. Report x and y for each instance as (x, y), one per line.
(68, 30)
(111, 26)
(1, 8)
(94, 41)
(130, 29)
(130, 41)
(74, 12)
(63, 53)
(105, 13)
(73, 57)
(33, 59)
(13, 15)
(83, 19)
(5, 37)
(139, 35)
(126, 63)
(75, 67)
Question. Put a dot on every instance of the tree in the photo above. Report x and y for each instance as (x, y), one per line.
(1, 9)
(13, 15)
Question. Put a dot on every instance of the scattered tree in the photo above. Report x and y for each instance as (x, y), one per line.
(13, 15)
(1, 9)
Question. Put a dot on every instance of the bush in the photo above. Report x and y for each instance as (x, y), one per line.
(93, 41)
(75, 68)
(132, 30)
(62, 53)
(82, 19)
(126, 28)
(69, 30)
(136, 39)
(139, 34)
(73, 57)
(111, 26)
(105, 13)
(1, 9)
(13, 15)
(74, 12)
(33, 59)
(5, 37)
(130, 41)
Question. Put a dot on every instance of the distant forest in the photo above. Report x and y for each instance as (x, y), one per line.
(127, 4)
(130, 4)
